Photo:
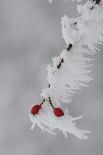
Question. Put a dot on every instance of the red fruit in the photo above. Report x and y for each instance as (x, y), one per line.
(35, 109)
(58, 112)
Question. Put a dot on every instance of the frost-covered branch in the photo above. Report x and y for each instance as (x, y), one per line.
(70, 70)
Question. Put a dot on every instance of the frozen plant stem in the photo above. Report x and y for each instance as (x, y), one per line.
(69, 71)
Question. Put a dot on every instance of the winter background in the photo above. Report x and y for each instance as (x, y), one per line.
(30, 35)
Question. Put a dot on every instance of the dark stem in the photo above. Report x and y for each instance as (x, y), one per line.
(51, 103)
(42, 102)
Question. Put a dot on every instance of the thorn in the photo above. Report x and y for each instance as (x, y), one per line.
(75, 23)
(44, 100)
(58, 66)
(69, 47)
(92, 8)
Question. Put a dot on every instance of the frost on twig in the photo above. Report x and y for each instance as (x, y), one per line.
(72, 76)
(70, 71)
(74, 72)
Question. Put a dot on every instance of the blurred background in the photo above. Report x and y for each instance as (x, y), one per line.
(30, 35)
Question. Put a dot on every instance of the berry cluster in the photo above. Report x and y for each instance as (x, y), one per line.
(58, 112)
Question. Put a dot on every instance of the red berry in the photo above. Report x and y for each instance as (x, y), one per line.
(58, 112)
(35, 109)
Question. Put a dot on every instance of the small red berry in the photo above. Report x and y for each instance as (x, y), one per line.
(35, 109)
(58, 112)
